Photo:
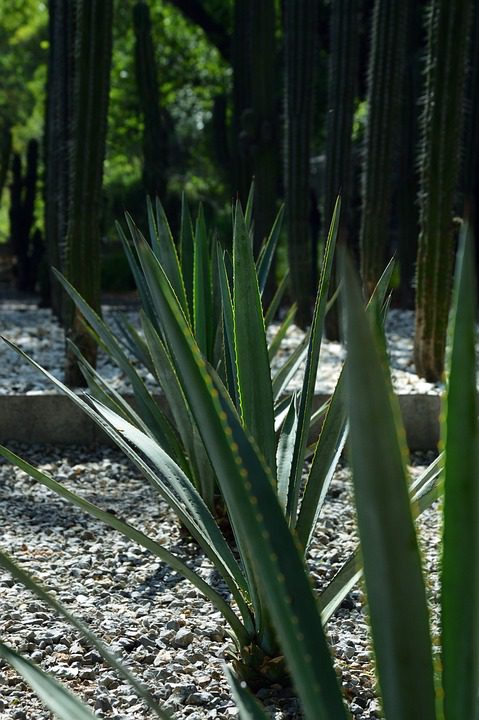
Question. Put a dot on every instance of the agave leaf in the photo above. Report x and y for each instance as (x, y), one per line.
(325, 459)
(460, 559)
(55, 696)
(106, 394)
(392, 567)
(229, 334)
(134, 341)
(203, 476)
(164, 248)
(342, 583)
(249, 209)
(147, 407)
(248, 706)
(132, 534)
(135, 265)
(258, 520)
(281, 332)
(285, 449)
(202, 289)
(290, 367)
(254, 374)
(263, 264)
(311, 370)
(27, 581)
(187, 251)
(276, 301)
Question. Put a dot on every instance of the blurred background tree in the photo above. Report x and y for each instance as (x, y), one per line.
(304, 96)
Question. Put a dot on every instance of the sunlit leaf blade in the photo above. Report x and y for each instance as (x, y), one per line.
(135, 265)
(56, 697)
(132, 534)
(325, 459)
(134, 341)
(342, 583)
(229, 332)
(27, 581)
(259, 524)
(281, 333)
(275, 303)
(202, 300)
(203, 476)
(254, 374)
(285, 449)
(248, 707)
(146, 405)
(268, 250)
(309, 381)
(392, 567)
(165, 250)
(187, 251)
(249, 209)
(460, 560)
(283, 376)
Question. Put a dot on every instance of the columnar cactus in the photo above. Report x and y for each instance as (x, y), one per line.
(22, 215)
(92, 60)
(155, 131)
(5, 152)
(343, 70)
(385, 73)
(300, 25)
(77, 102)
(255, 124)
(441, 135)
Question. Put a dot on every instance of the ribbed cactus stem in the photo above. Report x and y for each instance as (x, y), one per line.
(155, 134)
(441, 137)
(92, 52)
(343, 70)
(5, 152)
(300, 32)
(385, 74)
(242, 100)
(22, 211)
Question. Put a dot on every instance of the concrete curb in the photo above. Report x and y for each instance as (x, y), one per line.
(53, 418)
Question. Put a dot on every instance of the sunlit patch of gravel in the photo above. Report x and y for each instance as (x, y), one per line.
(165, 631)
(37, 332)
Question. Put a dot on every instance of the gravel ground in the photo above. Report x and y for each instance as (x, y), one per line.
(169, 635)
(38, 333)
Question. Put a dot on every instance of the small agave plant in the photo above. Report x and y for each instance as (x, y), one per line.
(254, 443)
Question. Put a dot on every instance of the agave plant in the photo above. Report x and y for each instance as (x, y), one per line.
(277, 614)
(229, 421)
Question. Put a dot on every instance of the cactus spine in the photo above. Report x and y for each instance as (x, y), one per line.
(22, 216)
(441, 135)
(385, 72)
(155, 132)
(300, 30)
(343, 67)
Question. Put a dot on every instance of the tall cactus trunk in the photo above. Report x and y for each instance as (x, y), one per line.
(57, 140)
(242, 101)
(155, 131)
(5, 152)
(407, 180)
(385, 73)
(255, 126)
(441, 136)
(22, 216)
(92, 50)
(300, 24)
(343, 70)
